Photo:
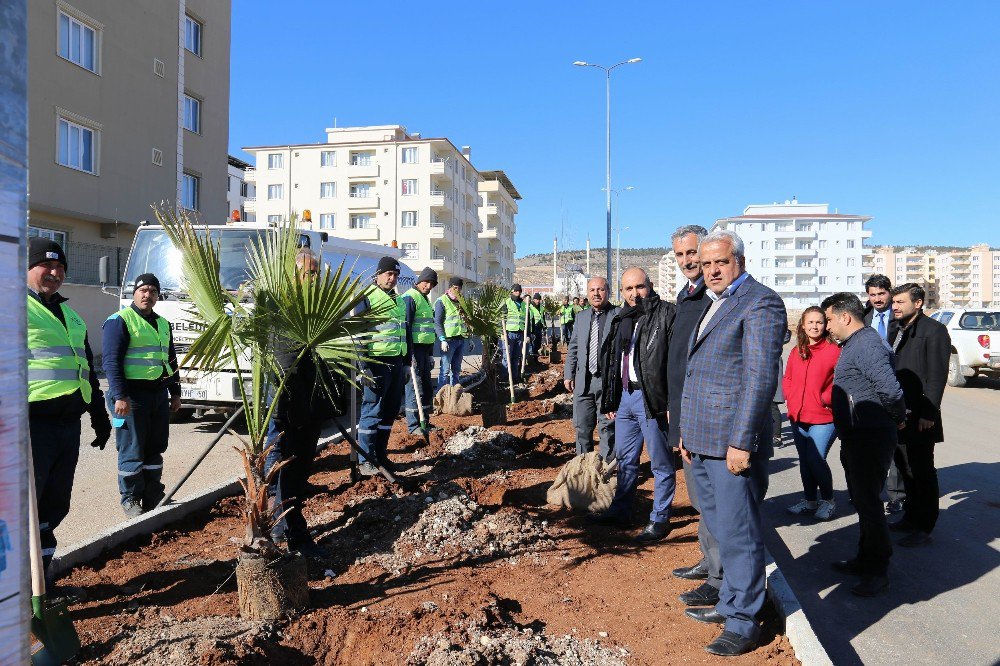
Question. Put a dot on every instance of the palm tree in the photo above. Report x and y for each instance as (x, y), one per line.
(242, 332)
(485, 317)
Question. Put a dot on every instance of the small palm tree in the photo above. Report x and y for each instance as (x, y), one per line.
(242, 333)
(485, 317)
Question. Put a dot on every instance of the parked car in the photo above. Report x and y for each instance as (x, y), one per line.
(970, 331)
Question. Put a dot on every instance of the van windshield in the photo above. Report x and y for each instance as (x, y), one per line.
(154, 253)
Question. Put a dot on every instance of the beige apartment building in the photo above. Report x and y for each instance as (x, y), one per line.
(953, 278)
(496, 215)
(902, 265)
(128, 105)
(382, 184)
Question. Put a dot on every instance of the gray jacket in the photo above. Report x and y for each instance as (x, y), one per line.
(579, 342)
(866, 394)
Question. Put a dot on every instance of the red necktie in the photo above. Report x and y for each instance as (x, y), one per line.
(690, 289)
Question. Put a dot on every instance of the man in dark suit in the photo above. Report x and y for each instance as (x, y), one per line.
(582, 372)
(726, 426)
(923, 348)
(691, 304)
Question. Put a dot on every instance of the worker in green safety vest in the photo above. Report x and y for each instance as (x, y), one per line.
(390, 347)
(140, 363)
(452, 329)
(535, 325)
(62, 385)
(515, 309)
(420, 323)
(567, 314)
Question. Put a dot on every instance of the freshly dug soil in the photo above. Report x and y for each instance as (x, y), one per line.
(469, 566)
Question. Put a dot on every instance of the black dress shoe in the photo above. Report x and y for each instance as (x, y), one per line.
(653, 532)
(893, 506)
(730, 644)
(697, 572)
(707, 615)
(851, 567)
(609, 520)
(871, 586)
(703, 595)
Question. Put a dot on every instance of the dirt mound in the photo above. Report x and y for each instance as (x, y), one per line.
(478, 443)
(546, 382)
(201, 642)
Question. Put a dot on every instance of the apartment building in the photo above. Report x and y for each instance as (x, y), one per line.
(128, 105)
(238, 190)
(803, 251)
(668, 276)
(382, 184)
(902, 265)
(496, 216)
(965, 278)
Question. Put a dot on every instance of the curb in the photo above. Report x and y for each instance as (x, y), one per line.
(147, 523)
(803, 639)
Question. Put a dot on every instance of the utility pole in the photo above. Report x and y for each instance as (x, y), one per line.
(555, 248)
(588, 255)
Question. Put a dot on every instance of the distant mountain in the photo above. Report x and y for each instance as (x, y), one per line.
(536, 269)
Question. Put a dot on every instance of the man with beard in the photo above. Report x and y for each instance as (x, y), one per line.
(634, 396)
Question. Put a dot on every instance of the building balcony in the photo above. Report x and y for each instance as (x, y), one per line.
(250, 204)
(440, 168)
(492, 209)
(441, 229)
(370, 170)
(794, 270)
(250, 175)
(489, 232)
(370, 233)
(441, 199)
(362, 202)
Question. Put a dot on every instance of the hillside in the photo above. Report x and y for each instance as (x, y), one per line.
(536, 269)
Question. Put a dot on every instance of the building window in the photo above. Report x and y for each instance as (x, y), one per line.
(850, 244)
(191, 192)
(361, 159)
(243, 188)
(326, 221)
(409, 186)
(192, 35)
(76, 146)
(410, 155)
(764, 244)
(411, 250)
(51, 234)
(192, 114)
(850, 262)
(822, 262)
(328, 158)
(327, 190)
(274, 219)
(77, 42)
(822, 279)
(361, 221)
(409, 218)
(275, 161)
(360, 190)
(822, 244)
(275, 191)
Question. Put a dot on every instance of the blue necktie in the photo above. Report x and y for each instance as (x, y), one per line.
(881, 325)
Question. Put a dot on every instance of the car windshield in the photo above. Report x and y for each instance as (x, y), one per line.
(980, 321)
(154, 253)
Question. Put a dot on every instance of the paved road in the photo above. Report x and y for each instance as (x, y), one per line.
(944, 599)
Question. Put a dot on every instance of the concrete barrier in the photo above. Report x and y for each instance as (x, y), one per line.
(800, 633)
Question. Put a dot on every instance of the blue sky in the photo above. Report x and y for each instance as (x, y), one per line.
(887, 109)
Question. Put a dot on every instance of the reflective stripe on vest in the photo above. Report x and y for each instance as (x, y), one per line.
(390, 335)
(454, 325)
(515, 316)
(147, 356)
(423, 318)
(567, 314)
(57, 358)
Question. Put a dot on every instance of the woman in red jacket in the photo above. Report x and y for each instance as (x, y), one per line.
(808, 388)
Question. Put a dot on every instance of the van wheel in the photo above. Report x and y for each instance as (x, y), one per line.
(955, 376)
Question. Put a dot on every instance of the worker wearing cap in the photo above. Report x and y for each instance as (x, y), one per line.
(452, 329)
(143, 388)
(420, 324)
(513, 325)
(535, 325)
(62, 385)
(390, 350)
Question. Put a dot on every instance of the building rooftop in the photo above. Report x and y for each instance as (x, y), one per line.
(503, 179)
(238, 163)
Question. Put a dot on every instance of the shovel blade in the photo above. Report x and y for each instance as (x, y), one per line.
(53, 637)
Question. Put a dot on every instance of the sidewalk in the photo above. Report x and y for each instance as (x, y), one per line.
(944, 599)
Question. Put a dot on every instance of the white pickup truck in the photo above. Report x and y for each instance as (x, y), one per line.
(971, 331)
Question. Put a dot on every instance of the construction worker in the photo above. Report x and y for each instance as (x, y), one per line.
(141, 366)
(514, 328)
(383, 389)
(452, 330)
(62, 385)
(535, 326)
(420, 325)
(566, 316)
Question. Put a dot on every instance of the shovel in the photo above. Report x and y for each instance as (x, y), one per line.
(53, 637)
(424, 426)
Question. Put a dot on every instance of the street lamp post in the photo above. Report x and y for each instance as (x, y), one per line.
(607, 72)
(618, 250)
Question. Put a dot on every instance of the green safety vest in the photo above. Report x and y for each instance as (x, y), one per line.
(147, 356)
(57, 358)
(454, 325)
(515, 316)
(534, 314)
(423, 318)
(568, 314)
(390, 335)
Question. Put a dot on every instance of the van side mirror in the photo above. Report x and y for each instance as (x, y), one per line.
(102, 270)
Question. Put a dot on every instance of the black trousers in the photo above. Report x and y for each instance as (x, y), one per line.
(865, 455)
(915, 461)
(292, 484)
(55, 449)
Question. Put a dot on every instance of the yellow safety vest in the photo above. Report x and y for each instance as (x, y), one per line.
(454, 325)
(423, 318)
(390, 335)
(148, 348)
(57, 358)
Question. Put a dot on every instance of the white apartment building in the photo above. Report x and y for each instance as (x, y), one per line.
(803, 251)
(238, 190)
(381, 184)
(668, 276)
(908, 265)
(496, 215)
(966, 278)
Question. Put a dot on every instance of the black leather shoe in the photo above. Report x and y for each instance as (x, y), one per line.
(703, 595)
(730, 644)
(871, 586)
(914, 539)
(850, 567)
(707, 615)
(609, 520)
(902, 526)
(697, 572)
(653, 532)
(893, 506)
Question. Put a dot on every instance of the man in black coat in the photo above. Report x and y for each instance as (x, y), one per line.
(923, 348)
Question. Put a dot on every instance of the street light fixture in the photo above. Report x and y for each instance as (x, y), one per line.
(607, 72)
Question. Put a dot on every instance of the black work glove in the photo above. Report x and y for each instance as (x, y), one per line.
(101, 423)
